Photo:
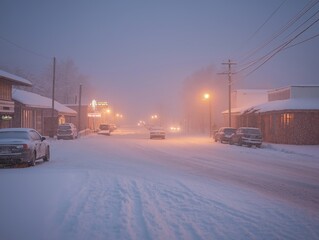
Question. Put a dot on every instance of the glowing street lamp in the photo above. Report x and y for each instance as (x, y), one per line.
(207, 97)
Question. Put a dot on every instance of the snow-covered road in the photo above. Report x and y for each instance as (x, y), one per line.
(129, 187)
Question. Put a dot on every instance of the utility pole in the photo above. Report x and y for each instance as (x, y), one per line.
(79, 112)
(52, 109)
(210, 117)
(229, 63)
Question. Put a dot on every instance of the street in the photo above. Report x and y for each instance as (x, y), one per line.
(126, 186)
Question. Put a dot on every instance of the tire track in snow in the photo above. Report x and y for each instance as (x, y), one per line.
(289, 181)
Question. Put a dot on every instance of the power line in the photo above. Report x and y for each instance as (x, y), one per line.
(280, 48)
(306, 40)
(300, 14)
(24, 49)
(267, 20)
(252, 63)
(303, 23)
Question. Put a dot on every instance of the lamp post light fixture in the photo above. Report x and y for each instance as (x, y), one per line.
(93, 104)
(207, 97)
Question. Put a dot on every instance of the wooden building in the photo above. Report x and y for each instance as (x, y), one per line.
(7, 105)
(291, 116)
(35, 111)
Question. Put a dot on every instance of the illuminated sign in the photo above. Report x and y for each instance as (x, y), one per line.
(6, 117)
(101, 103)
(94, 115)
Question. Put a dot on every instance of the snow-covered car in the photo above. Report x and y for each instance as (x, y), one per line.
(157, 132)
(67, 131)
(104, 129)
(247, 136)
(113, 127)
(224, 134)
(22, 145)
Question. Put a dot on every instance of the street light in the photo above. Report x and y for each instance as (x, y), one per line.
(93, 105)
(207, 97)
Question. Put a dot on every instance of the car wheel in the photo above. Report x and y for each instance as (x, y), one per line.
(32, 160)
(46, 158)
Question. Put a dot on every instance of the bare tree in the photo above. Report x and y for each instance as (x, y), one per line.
(195, 108)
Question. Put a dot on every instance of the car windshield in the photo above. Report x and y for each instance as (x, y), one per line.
(229, 130)
(104, 127)
(252, 131)
(14, 135)
(64, 127)
(157, 129)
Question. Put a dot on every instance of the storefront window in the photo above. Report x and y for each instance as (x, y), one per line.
(286, 119)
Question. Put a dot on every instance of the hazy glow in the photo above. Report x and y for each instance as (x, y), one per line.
(142, 55)
(94, 104)
(175, 129)
(206, 96)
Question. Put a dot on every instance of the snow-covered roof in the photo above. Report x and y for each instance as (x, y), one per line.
(288, 104)
(238, 110)
(251, 90)
(37, 101)
(15, 79)
(294, 86)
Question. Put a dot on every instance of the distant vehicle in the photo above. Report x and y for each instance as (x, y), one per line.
(104, 129)
(67, 131)
(157, 132)
(224, 134)
(247, 136)
(175, 129)
(22, 145)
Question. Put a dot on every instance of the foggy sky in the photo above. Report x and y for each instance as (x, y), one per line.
(138, 53)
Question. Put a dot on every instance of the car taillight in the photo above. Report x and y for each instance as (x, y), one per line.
(23, 146)
(19, 148)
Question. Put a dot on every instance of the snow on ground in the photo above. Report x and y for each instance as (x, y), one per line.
(127, 186)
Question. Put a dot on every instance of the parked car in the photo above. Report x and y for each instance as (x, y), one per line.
(67, 131)
(224, 134)
(247, 136)
(157, 132)
(113, 127)
(104, 129)
(22, 145)
(214, 134)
